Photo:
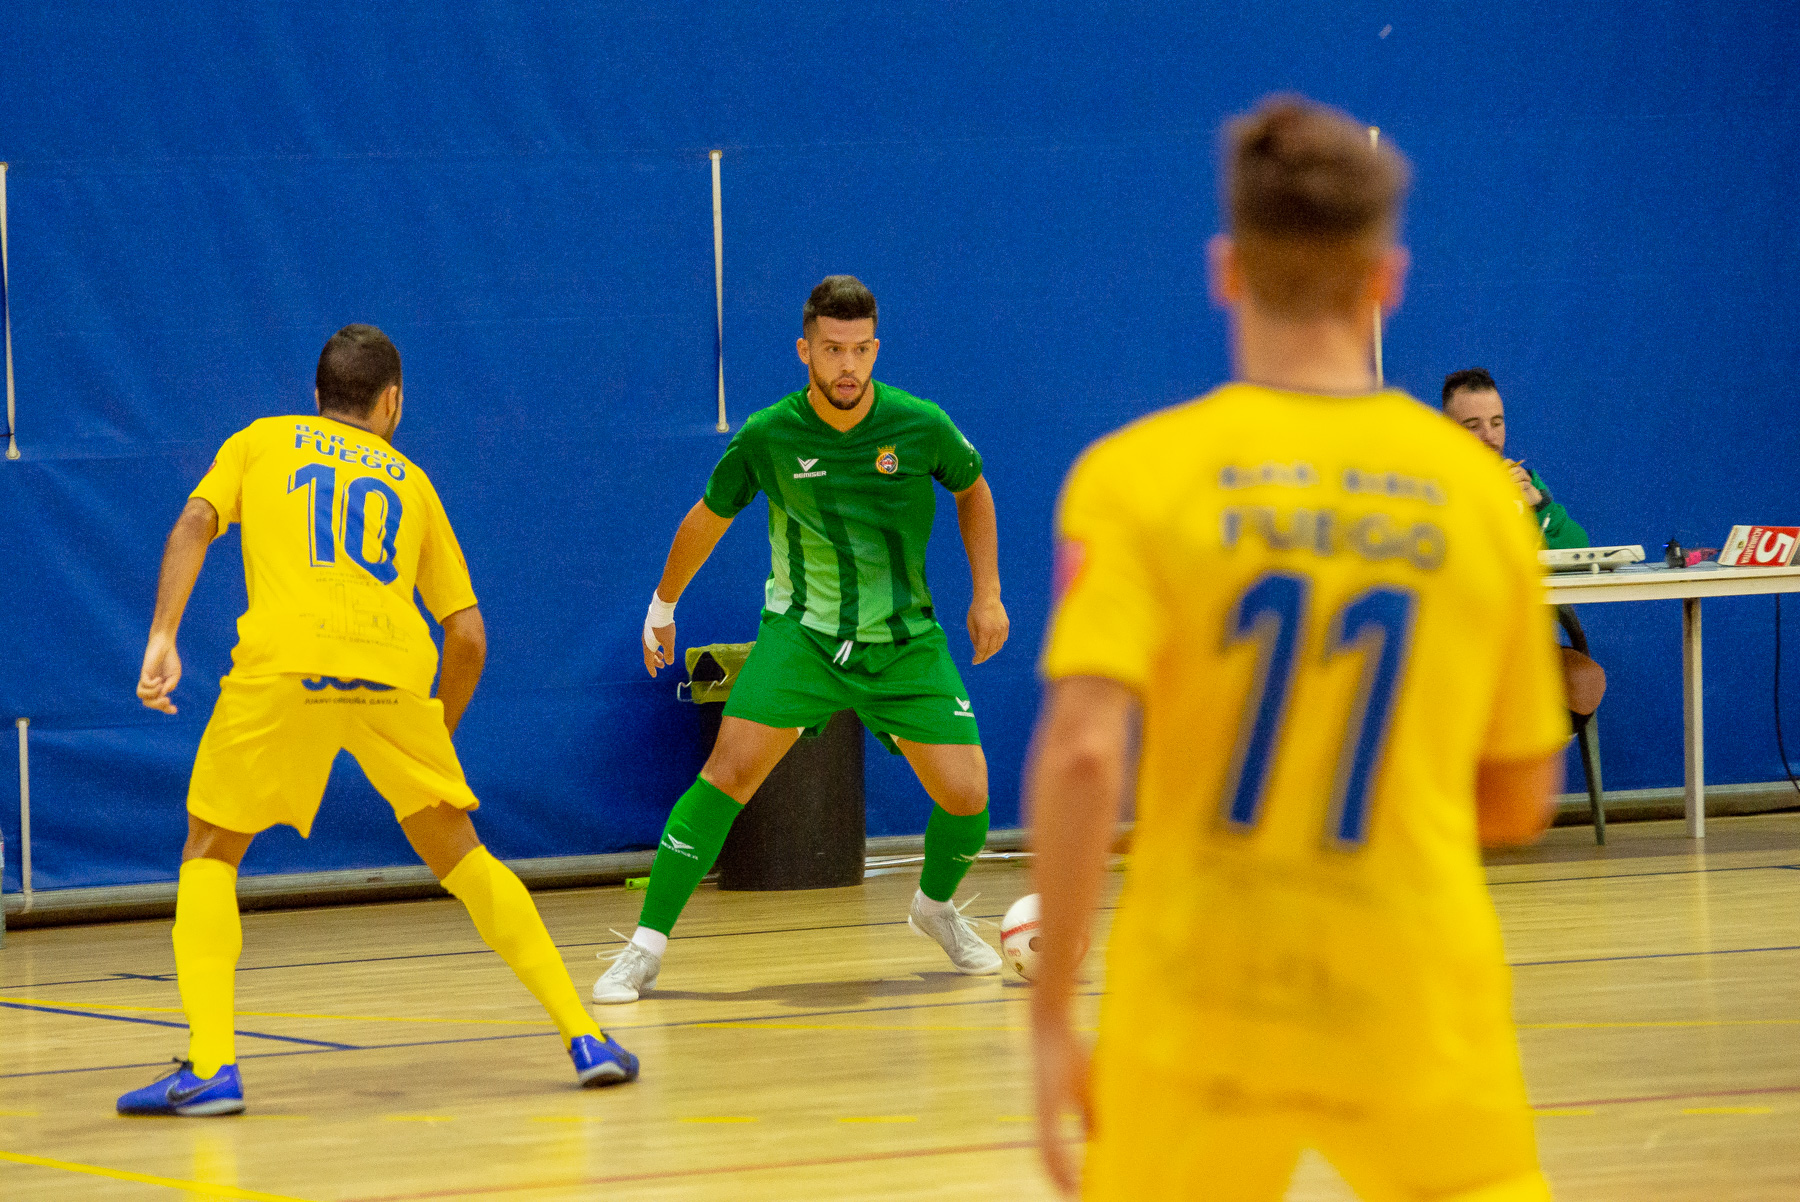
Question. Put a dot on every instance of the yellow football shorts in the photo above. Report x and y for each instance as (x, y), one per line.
(268, 749)
(1162, 1137)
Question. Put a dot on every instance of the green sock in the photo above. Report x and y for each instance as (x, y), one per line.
(952, 841)
(691, 841)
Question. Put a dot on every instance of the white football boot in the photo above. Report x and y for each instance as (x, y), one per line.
(633, 972)
(968, 951)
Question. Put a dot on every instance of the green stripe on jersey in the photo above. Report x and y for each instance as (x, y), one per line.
(850, 513)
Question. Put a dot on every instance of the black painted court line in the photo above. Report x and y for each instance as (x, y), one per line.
(322, 1047)
(725, 1170)
(1669, 1097)
(845, 1012)
(477, 951)
(181, 1026)
(1721, 951)
(1627, 876)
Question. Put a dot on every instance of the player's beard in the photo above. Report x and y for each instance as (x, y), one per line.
(825, 390)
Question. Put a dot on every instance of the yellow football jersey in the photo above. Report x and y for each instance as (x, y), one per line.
(1331, 611)
(339, 528)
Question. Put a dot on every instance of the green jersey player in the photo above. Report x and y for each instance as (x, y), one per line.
(850, 468)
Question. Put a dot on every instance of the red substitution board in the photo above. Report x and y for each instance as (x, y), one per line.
(1760, 547)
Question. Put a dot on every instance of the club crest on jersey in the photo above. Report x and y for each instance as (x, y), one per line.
(887, 460)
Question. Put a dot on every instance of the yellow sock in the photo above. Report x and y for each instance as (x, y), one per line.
(509, 923)
(207, 941)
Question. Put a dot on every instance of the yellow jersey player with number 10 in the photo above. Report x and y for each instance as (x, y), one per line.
(339, 532)
(1324, 601)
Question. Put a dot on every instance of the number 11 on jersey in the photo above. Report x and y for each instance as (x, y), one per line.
(1272, 612)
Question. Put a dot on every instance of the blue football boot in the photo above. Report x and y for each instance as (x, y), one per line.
(600, 1062)
(181, 1092)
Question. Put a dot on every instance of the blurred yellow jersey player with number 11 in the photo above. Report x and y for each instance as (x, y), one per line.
(1323, 599)
(339, 531)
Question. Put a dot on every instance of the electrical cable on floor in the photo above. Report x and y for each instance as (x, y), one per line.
(1780, 743)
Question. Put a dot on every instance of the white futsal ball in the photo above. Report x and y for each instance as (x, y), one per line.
(1019, 936)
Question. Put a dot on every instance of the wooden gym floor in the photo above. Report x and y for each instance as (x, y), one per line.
(809, 1046)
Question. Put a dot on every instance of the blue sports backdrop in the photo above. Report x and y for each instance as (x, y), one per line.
(519, 194)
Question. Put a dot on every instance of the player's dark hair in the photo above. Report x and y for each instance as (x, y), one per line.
(355, 368)
(840, 297)
(1469, 379)
(1311, 204)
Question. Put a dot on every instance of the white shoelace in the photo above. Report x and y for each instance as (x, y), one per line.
(618, 955)
(963, 920)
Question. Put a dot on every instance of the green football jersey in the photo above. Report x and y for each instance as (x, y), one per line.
(849, 513)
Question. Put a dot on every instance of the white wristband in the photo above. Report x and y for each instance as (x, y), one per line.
(661, 614)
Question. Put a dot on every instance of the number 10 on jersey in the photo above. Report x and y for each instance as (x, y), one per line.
(320, 481)
(1272, 613)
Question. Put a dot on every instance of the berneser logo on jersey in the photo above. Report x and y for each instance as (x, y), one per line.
(806, 469)
(887, 460)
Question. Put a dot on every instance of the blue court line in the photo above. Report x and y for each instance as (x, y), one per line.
(158, 1064)
(161, 1022)
(319, 1050)
(117, 977)
(1628, 876)
(1723, 951)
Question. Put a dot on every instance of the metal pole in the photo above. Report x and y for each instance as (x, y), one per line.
(1693, 717)
(12, 427)
(719, 285)
(24, 725)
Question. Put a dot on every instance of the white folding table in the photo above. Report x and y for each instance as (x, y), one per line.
(1689, 586)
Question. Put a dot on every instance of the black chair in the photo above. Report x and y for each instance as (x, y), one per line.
(1586, 728)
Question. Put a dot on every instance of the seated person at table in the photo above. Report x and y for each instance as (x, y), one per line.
(1472, 400)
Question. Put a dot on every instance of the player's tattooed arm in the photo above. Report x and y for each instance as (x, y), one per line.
(699, 532)
(183, 556)
(465, 655)
(988, 623)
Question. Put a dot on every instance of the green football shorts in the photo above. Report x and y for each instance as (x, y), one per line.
(799, 677)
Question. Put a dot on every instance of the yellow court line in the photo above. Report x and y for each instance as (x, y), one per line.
(203, 1188)
(880, 1118)
(18, 1114)
(720, 1118)
(349, 1018)
(419, 1118)
(567, 1118)
(1728, 1110)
